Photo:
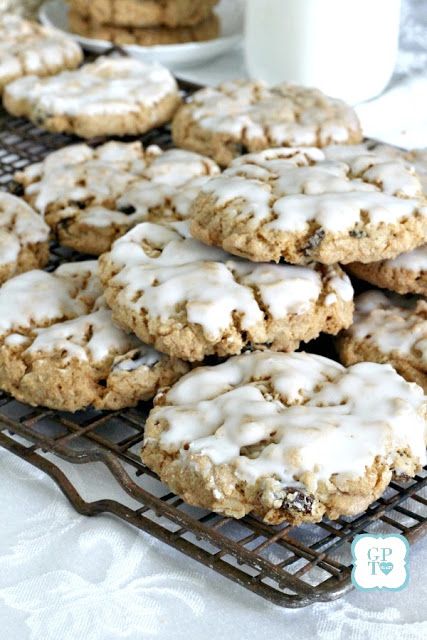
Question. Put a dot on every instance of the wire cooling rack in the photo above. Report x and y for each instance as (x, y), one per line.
(290, 566)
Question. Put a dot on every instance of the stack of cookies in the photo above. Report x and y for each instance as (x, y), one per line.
(215, 261)
(144, 22)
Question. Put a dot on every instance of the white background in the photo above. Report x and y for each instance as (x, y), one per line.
(66, 577)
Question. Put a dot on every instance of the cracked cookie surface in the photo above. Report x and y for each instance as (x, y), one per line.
(92, 196)
(190, 300)
(287, 437)
(408, 272)
(59, 347)
(111, 96)
(241, 116)
(28, 48)
(305, 204)
(388, 328)
(24, 237)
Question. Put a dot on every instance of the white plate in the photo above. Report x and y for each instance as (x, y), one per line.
(54, 13)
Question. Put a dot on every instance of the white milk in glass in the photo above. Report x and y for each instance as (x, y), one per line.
(346, 48)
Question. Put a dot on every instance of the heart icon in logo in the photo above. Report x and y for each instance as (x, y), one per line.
(386, 567)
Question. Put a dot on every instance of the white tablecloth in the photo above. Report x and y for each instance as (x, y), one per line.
(66, 577)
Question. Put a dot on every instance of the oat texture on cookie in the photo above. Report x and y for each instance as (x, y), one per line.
(59, 347)
(341, 204)
(207, 29)
(391, 329)
(241, 116)
(291, 437)
(28, 48)
(146, 13)
(92, 196)
(190, 300)
(24, 237)
(111, 96)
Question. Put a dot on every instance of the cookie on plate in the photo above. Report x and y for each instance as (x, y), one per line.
(241, 116)
(208, 29)
(92, 196)
(190, 301)
(59, 347)
(305, 204)
(111, 96)
(145, 13)
(286, 436)
(24, 237)
(388, 328)
(27, 48)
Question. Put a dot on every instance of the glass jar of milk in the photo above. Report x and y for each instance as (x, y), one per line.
(346, 48)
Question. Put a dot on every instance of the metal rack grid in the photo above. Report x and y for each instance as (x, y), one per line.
(290, 566)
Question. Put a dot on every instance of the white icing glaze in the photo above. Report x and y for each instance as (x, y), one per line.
(312, 417)
(64, 312)
(28, 48)
(93, 335)
(209, 284)
(104, 87)
(19, 226)
(289, 188)
(284, 115)
(415, 260)
(114, 179)
(38, 297)
(392, 327)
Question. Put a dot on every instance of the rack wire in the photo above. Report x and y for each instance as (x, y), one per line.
(290, 566)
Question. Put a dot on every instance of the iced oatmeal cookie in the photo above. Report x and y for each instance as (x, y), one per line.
(208, 29)
(92, 196)
(24, 237)
(59, 347)
(27, 48)
(306, 204)
(388, 329)
(144, 13)
(241, 116)
(111, 96)
(291, 437)
(190, 301)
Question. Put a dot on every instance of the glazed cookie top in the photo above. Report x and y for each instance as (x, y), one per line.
(116, 182)
(29, 48)
(108, 86)
(392, 323)
(64, 312)
(161, 269)
(340, 191)
(298, 417)
(19, 226)
(286, 114)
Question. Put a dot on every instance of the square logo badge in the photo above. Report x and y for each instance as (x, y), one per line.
(380, 562)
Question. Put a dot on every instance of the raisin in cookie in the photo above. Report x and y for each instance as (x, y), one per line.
(311, 204)
(24, 237)
(145, 13)
(240, 116)
(59, 347)
(92, 196)
(111, 96)
(190, 301)
(208, 29)
(27, 48)
(286, 436)
(388, 329)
